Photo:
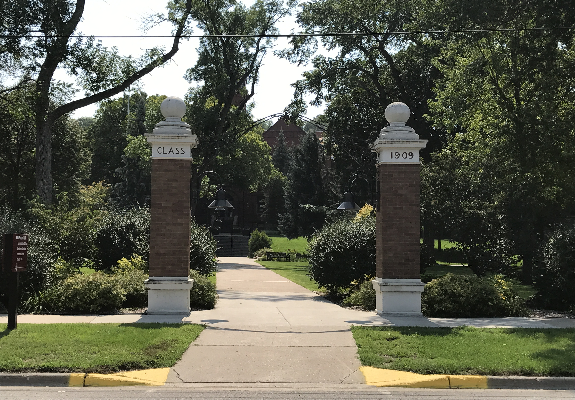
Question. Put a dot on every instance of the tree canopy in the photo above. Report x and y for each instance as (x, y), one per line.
(40, 37)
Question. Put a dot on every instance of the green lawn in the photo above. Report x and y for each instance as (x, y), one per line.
(443, 269)
(283, 244)
(100, 348)
(294, 271)
(466, 350)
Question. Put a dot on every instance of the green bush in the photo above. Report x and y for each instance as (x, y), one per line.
(426, 257)
(203, 294)
(42, 252)
(81, 294)
(470, 296)
(72, 292)
(343, 253)
(202, 250)
(258, 240)
(261, 253)
(554, 277)
(363, 297)
(130, 275)
(121, 234)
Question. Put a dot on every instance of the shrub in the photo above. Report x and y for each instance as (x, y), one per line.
(81, 294)
(135, 263)
(261, 253)
(61, 271)
(73, 222)
(343, 252)
(202, 250)
(42, 252)
(258, 240)
(554, 277)
(203, 294)
(121, 234)
(363, 297)
(470, 296)
(130, 275)
(426, 257)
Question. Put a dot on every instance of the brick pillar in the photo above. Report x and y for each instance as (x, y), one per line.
(397, 284)
(169, 283)
(397, 229)
(170, 218)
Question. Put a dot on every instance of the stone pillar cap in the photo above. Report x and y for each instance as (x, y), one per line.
(173, 109)
(397, 114)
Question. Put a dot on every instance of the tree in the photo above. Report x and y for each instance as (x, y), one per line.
(365, 72)
(274, 203)
(305, 198)
(281, 155)
(39, 39)
(507, 97)
(227, 70)
(71, 155)
(108, 136)
(16, 148)
(121, 153)
(116, 122)
(134, 176)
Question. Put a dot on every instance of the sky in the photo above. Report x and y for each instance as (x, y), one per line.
(124, 17)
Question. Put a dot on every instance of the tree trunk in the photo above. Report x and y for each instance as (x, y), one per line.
(44, 162)
(527, 269)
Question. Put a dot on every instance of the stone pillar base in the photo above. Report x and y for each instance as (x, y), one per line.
(398, 297)
(168, 295)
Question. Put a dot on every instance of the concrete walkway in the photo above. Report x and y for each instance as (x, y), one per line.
(267, 329)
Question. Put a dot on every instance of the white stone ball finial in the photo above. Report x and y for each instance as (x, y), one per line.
(397, 113)
(173, 108)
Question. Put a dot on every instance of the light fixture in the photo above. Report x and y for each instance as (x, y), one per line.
(220, 203)
(348, 203)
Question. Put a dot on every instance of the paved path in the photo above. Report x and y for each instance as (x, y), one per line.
(267, 329)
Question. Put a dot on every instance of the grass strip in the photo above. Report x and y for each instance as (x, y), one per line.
(467, 350)
(96, 348)
(295, 271)
(283, 244)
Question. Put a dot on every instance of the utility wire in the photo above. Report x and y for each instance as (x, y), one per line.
(31, 34)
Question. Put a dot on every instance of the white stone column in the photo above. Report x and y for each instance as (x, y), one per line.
(397, 284)
(169, 283)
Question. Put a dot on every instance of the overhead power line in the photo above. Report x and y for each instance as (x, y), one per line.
(39, 34)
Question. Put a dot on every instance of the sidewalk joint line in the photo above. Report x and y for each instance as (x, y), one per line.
(284, 317)
(347, 376)
(178, 375)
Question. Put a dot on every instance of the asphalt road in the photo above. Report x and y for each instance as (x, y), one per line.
(27, 393)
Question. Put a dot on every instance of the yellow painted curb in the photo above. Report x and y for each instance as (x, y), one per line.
(149, 377)
(468, 382)
(389, 377)
(76, 380)
(392, 378)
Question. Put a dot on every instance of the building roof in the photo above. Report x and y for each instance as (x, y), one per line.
(292, 133)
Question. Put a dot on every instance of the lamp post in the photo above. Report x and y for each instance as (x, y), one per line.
(398, 283)
(222, 205)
